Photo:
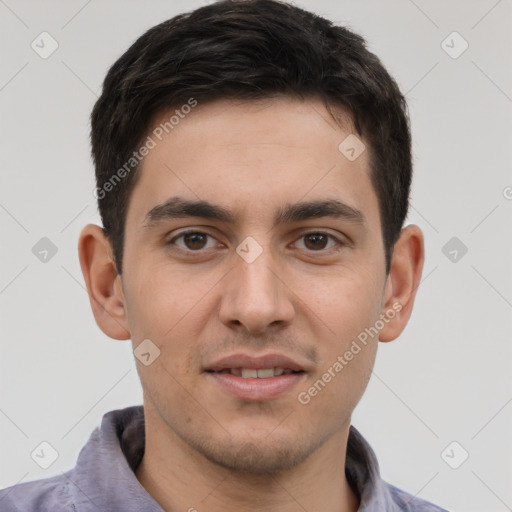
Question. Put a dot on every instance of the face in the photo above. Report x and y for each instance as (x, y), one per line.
(258, 281)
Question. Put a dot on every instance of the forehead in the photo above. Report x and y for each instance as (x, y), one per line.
(253, 157)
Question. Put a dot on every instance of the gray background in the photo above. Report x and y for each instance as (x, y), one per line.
(446, 379)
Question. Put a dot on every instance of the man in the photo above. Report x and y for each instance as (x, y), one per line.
(253, 168)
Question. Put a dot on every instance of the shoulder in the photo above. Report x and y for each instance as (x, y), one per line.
(407, 502)
(44, 495)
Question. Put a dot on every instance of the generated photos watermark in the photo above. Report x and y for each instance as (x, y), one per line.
(150, 143)
(304, 397)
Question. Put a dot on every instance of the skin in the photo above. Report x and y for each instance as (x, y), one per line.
(206, 449)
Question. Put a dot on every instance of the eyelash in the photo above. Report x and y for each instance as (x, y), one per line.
(195, 231)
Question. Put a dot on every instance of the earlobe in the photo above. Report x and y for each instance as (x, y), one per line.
(402, 282)
(103, 282)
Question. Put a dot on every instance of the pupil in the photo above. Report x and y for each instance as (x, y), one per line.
(194, 238)
(316, 237)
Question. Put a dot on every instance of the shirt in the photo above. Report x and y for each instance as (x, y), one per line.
(103, 478)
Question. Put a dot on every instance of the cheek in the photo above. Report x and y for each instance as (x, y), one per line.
(346, 351)
(344, 304)
(348, 305)
(171, 310)
(163, 298)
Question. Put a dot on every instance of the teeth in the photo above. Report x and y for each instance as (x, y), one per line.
(265, 374)
(260, 373)
(249, 373)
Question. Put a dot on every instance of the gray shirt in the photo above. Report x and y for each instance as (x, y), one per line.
(104, 479)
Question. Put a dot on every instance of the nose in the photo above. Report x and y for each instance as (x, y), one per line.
(256, 295)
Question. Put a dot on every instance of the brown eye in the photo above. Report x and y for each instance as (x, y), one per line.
(318, 241)
(315, 241)
(192, 241)
(195, 241)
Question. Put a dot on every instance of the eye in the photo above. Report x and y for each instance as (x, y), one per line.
(198, 241)
(193, 241)
(317, 241)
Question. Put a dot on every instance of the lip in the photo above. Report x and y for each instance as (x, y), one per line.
(256, 389)
(273, 360)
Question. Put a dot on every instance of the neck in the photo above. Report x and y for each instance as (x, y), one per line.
(179, 478)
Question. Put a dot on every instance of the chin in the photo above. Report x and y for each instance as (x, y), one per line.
(252, 459)
(261, 456)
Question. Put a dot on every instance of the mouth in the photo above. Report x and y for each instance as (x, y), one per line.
(256, 373)
(256, 378)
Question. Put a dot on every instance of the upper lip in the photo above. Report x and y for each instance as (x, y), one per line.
(258, 362)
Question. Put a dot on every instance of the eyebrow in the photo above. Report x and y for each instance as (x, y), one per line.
(178, 207)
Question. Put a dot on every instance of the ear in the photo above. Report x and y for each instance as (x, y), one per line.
(402, 282)
(103, 283)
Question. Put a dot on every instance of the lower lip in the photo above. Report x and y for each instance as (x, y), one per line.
(256, 389)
